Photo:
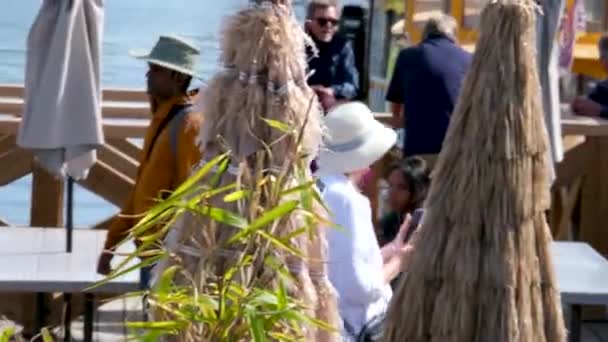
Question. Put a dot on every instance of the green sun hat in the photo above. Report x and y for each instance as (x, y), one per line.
(174, 53)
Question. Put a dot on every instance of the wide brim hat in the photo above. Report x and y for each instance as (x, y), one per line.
(355, 140)
(172, 52)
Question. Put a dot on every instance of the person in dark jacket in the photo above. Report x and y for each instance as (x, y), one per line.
(425, 86)
(596, 103)
(334, 75)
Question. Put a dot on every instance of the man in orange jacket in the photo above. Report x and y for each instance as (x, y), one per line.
(170, 149)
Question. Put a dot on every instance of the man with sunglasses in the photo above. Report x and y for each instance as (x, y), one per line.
(335, 77)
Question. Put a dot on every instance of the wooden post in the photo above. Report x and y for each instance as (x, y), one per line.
(594, 205)
(46, 211)
(566, 189)
(47, 199)
(594, 200)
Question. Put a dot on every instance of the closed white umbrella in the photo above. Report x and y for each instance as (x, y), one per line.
(62, 115)
(61, 122)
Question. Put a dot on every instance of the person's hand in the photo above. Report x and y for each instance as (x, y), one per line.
(399, 240)
(104, 266)
(394, 247)
(326, 97)
(405, 254)
(406, 250)
(586, 107)
(327, 91)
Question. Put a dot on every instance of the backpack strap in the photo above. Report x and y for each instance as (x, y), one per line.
(174, 128)
(175, 110)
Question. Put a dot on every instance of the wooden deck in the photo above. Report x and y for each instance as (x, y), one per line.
(125, 115)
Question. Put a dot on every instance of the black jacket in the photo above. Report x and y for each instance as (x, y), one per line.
(600, 95)
(335, 67)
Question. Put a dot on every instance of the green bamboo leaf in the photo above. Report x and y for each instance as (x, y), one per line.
(295, 233)
(118, 272)
(177, 313)
(281, 126)
(274, 214)
(7, 334)
(256, 327)
(163, 287)
(222, 216)
(282, 271)
(298, 188)
(198, 175)
(237, 195)
(153, 218)
(301, 317)
(267, 218)
(219, 172)
(163, 326)
(215, 191)
(317, 197)
(277, 336)
(152, 336)
(280, 244)
(208, 306)
(281, 296)
(46, 335)
(151, 237)
(140, 250)
(264, 298)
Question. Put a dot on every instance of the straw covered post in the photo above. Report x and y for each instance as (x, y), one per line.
(482, 268)
(262, 86)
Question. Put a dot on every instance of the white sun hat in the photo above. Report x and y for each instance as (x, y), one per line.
(355, 140)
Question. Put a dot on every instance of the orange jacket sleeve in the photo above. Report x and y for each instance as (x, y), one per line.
(121, 224)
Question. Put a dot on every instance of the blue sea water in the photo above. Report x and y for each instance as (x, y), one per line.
(129, 24)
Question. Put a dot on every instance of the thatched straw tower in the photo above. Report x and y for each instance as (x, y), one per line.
(482, 269)
(264, 78)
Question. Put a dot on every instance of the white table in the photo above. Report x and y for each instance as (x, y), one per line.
(582, 278)
(34, 260)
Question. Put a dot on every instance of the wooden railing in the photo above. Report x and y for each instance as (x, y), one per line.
(581, 176)
(125, 115)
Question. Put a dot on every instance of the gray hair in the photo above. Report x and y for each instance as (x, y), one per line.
(441, 25)
(315, 5)
(603, 46)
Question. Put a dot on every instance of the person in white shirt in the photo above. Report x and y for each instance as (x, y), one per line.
(359, 270)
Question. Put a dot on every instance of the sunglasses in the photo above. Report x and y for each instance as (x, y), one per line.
(324, 21)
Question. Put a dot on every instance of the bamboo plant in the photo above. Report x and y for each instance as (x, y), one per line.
(223, 309)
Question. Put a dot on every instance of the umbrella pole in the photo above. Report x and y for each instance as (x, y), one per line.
(69, 225)
(69, 214)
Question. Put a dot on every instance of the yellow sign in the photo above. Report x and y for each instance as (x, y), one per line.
(395, 5)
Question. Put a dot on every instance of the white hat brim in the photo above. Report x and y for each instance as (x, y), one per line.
(144, 55)
(378, 142)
